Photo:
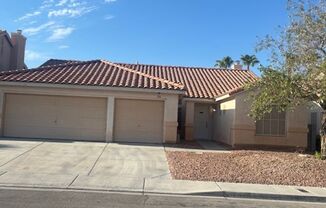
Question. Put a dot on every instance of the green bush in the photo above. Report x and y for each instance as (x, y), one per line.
(318, 155)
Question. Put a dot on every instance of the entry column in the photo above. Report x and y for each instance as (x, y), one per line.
(189, 120)
(109, 118)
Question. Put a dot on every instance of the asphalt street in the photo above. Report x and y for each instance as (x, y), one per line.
(41, 198)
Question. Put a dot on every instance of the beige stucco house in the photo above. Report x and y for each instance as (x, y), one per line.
(104, 101)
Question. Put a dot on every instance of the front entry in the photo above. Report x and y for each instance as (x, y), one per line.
(202, 121)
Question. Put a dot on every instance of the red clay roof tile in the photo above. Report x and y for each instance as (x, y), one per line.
(198, 82)
(90, 73)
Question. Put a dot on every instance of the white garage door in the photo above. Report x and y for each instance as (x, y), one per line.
(55, 117)
(138, 121)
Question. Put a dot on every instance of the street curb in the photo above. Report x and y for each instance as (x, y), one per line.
(281, 197)
(242, 195)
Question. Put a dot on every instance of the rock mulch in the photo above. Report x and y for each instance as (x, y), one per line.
(262, 167)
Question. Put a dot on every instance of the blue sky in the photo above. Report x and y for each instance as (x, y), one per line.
(167, 32)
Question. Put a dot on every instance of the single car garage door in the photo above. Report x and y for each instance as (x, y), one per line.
(55, 117)
(138, 121)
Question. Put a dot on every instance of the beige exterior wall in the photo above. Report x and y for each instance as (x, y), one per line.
(243, 130)
(224, 119)
(170, 122)
(170, 102)
(189, 120)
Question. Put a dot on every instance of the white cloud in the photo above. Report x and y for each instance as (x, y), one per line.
(60, 33)
(50, 19)
(47, 4)
(35, 30)
(62, 2)
(33, 55)
(70, 12)
(63, 46)
(108, 17)
(29, 15)
(32, 22)
(109, 1)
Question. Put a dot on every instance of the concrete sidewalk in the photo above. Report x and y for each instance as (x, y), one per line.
(165, 186)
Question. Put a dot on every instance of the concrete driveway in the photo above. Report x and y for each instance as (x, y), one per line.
(66, 163)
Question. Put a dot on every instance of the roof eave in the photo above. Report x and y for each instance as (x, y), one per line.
(90, 87)
(230, 94)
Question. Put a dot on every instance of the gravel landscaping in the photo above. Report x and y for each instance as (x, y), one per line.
(263, 167)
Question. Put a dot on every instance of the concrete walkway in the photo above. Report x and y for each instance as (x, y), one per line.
(119, 167)
(67, 158)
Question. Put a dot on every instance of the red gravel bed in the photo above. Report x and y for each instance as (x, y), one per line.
(263, 167)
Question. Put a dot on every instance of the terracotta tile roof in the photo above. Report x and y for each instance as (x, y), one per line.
(199, 82)
(90, 73)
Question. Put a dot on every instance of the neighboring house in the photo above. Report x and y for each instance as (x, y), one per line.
(12, 51)
(104, 101)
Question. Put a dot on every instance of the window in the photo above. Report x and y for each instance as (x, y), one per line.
(273, 124)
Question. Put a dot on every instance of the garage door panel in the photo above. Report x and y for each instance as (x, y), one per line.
(55, 117)
(138, 121)
(92, 123)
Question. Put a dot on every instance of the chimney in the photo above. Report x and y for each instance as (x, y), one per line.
(236, 65)
(18, 52)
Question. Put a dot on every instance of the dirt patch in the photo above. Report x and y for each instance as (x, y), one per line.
(263, 167)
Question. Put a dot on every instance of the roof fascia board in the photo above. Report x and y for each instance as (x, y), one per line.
(201, 100)
(82, 87)
(222, 97)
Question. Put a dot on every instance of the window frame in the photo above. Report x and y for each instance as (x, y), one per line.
(270, 123)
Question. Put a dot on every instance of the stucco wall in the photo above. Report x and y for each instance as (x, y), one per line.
(5, 53)
(170, 103)
(244, 127)
(189, 120)
(224, 117)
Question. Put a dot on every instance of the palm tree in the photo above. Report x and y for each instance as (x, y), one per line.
(226, 62)
(249, 60)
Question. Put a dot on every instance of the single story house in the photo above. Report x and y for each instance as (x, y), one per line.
(103, 101)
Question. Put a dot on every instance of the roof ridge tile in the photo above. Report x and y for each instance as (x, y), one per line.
(178, 85)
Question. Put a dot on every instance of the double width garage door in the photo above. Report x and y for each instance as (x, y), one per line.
(82, 118)
(55, 117)
(138, 121)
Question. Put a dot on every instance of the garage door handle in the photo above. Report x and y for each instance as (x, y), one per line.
(55, 121)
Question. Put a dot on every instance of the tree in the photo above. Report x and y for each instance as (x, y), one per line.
(226, 62)
(249, 60)
(297, 71)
